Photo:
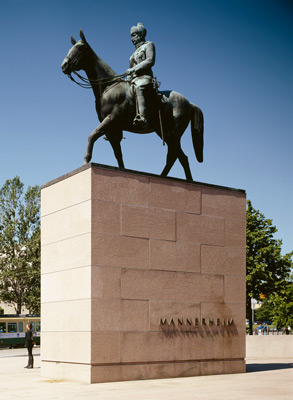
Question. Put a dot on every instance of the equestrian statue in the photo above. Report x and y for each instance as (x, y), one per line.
(132, 102)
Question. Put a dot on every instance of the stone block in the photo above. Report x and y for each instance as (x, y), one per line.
(211, 367)
(212, 288)
(131, 372)
(234, 344)
(165, 285)
(174, 256)
(235, 233)
(199, 345)
(120, 251)
(160, 285)
(66, 193)
(223, 203)
(106, 217)
(148, 223)
(200, 229)
(225, 311)
(223, 260)
(106, 282)
(234, 367)
(105, 347)
(67, 223)
(69, 347)
(67, 285)
(120, 187)
(119, 315)
(66, 254)
(234, 288)
(66, 316)
(175, 196)
(147, 347)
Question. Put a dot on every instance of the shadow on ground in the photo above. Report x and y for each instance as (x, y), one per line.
(267, 367)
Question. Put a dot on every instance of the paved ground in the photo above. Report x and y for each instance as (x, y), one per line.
(265, 379)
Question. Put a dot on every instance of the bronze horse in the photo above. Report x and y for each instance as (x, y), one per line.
(170, 112)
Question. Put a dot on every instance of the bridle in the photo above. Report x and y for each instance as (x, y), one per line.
(89, 83)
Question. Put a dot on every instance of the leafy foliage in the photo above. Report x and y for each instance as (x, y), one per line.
(267, 269)
(279, 307)
(282, 306)
(264, 313)
(20, 245)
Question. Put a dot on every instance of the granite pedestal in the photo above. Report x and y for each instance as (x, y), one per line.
(143, 277)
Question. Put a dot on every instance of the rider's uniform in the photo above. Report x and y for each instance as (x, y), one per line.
(142, 61)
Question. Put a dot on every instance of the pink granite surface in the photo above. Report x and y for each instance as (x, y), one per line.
(164, 276)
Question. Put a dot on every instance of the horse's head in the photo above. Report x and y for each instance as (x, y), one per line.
(74, 61)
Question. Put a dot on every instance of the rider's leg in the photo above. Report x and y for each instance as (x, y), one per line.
(142, 87)
(141, 116)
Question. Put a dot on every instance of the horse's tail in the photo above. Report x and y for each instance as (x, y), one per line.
(197, 131)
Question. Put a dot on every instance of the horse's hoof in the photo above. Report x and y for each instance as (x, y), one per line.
(85, 162)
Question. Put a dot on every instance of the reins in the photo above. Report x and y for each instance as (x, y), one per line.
(89, 83)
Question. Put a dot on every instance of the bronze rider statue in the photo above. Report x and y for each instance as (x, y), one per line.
(140, 71)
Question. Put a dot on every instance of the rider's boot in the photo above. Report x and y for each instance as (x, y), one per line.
(140, 121)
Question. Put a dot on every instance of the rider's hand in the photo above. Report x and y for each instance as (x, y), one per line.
(129, 71)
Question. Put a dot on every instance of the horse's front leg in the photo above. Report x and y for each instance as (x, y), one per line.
(115, 139)
(96, 134)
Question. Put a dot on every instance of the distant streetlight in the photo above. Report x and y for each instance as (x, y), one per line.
(253, 303)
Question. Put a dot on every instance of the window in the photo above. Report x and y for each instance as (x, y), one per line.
(38, 326)
(12, 327)
(20, 327)
(33, 326)
(2, 327)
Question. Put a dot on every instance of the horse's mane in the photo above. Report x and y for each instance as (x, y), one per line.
(102, 65)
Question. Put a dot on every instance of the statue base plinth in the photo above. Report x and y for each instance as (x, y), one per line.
(143, 277)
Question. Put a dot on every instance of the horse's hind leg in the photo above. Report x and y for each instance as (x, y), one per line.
(171, 155)
(175, 151)
(185, 164)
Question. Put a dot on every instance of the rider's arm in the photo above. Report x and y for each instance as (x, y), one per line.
(130, 70)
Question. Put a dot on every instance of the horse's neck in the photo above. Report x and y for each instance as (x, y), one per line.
(97, 69)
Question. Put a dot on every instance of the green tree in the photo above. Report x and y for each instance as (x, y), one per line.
(20, 245)
(264, 313)
(266, 268)
(282, 306)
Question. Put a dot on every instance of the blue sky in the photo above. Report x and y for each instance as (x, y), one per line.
(233, 58)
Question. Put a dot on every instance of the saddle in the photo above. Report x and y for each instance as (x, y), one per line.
(154, 89)
(156, 100)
